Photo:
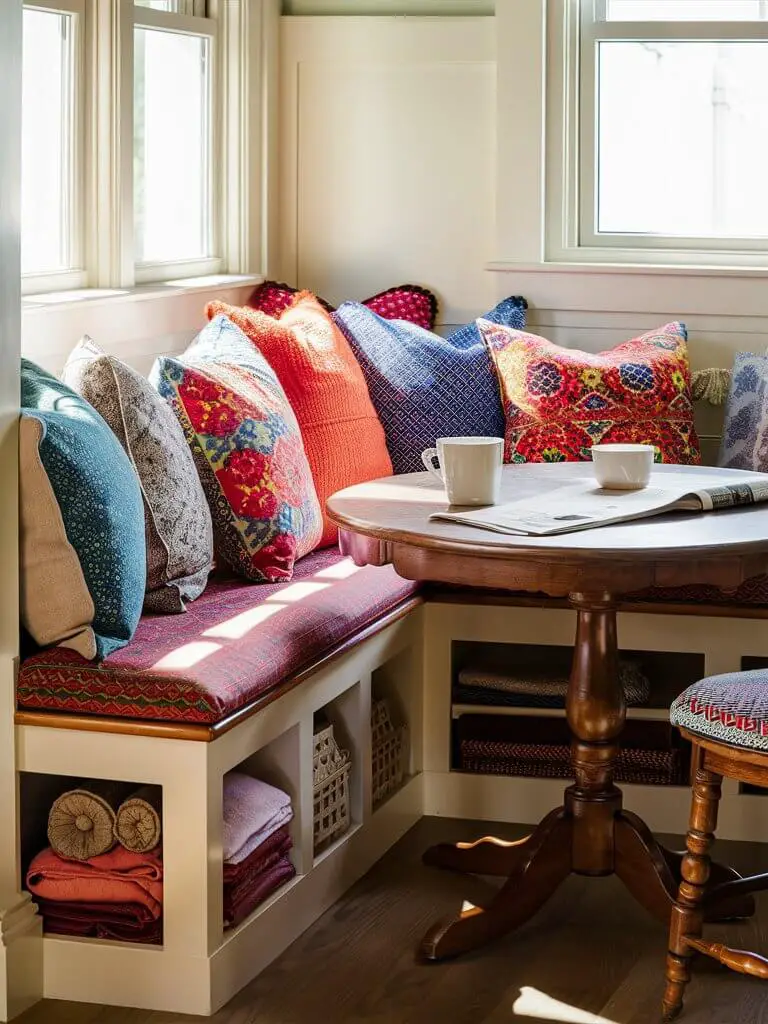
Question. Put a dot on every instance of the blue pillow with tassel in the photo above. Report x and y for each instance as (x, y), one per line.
(424, 386)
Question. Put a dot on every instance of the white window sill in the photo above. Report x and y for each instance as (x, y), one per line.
(626, 269)
(164, 290)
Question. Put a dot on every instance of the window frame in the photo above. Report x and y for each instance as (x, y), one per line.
(74, 276)
(241, 31)
(574, 29)
(146, 272)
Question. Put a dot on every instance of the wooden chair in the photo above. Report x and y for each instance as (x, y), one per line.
(726, 719)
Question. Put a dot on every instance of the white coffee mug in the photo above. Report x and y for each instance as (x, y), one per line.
(470, 468)
(622, 467)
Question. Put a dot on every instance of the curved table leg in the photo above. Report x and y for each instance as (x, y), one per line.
(487, 856)
(538, 865)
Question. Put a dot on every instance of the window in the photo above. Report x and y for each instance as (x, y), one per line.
(174, 209)
(123, 107)
(666, 105)
(51, 237)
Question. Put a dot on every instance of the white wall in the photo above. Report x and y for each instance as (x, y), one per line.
(411, 149)
(21, 946)
(387, 157)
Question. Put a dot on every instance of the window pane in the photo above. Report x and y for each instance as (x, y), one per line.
(46, 145)
(683, 138)
(159, 5)
(172, 194)
(687, 10)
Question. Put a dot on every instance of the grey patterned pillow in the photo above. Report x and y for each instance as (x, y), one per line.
(176, 515)
(745, 429)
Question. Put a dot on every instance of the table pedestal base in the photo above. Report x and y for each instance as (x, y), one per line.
(591, 834)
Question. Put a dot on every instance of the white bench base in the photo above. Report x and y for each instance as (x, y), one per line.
(200, 967)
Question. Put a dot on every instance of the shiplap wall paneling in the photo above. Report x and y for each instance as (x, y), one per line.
(387, 157)
(391, 7)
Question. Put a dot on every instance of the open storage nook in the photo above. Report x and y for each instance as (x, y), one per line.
(673, 647)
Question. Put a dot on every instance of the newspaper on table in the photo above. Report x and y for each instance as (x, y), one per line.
(585, 505)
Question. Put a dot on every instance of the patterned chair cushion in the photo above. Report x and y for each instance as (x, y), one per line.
(745, 429)
(248, 450)
(424, 386)
(177, 518)
(731, 708)
(405, 302)
(558, 402)
(235, 643)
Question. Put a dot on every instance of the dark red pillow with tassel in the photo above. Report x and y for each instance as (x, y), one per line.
(405, 302)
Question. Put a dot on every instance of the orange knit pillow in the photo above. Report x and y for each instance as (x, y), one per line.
(343, 437)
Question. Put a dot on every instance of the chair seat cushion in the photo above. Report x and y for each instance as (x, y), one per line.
(235, 643)
(731, 708)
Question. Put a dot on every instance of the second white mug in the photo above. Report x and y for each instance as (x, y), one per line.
(470, 468)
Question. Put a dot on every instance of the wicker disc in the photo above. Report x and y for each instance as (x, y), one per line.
(80, 825)
(137, 826)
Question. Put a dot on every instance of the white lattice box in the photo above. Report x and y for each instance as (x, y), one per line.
(389, 753)
(331, 768)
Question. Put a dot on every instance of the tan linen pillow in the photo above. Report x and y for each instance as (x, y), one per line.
(52, 614)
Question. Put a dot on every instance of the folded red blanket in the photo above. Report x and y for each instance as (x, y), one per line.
(263, 885)
(117, 877)
(129, 922)
(237, 890)
(261, 857)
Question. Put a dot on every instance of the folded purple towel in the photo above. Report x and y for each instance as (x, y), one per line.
(253, 811)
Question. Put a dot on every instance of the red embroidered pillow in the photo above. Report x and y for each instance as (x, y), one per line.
(558, 402)
(406, 302)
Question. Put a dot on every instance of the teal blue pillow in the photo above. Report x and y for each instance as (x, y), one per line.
(99, 497)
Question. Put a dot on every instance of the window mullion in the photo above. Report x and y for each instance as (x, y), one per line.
(110, 87)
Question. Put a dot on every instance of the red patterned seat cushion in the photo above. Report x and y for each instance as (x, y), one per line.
(731, 708)
(234, 644)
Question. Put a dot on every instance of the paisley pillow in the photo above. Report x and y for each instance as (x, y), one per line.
(248, 451)
(558, 402)
(177, 519)
(405, 302)
(745, 430)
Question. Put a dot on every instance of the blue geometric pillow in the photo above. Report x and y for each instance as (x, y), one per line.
(744, 443)
(424, 386)
(83, 549)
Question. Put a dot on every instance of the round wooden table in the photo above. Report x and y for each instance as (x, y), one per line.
(387, 521)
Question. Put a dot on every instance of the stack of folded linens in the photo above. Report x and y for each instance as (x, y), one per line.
(256, 844)
(114, 895)
(540, 748)
(537, 688)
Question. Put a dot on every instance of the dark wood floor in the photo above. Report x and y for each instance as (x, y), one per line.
(592, 956)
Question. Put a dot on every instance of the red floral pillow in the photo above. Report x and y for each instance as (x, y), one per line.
(558, 402)
(405, 302)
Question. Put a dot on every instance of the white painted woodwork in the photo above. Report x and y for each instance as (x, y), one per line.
(21, 946)
(199, 967)
(386, 158)
(390, 7)
(136, 325)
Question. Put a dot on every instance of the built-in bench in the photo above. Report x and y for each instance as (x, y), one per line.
(236, 682)
(324, 642)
